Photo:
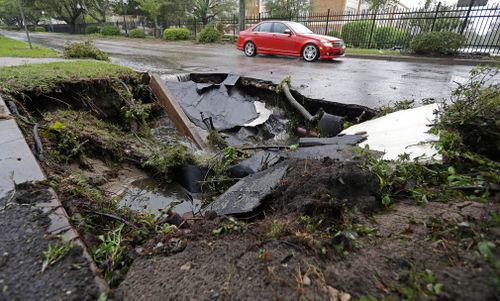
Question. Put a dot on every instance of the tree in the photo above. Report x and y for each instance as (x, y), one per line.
(98, 9)
(152, 8)
(288, 8)
(206, 10)
(68, 11)
(242, 14)
(380, 4)
(9, 13)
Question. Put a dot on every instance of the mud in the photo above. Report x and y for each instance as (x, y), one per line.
(354, 248)
(23, 241)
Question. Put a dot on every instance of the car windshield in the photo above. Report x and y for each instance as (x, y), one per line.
(299, 28)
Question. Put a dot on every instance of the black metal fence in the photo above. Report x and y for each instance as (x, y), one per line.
(393, 28)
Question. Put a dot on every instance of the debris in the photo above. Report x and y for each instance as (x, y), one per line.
(186, 266)
(306, 280)
(328, 124)
(259, 161)
(401, 132)
(338, 140)
(248, 194)
(336, 152)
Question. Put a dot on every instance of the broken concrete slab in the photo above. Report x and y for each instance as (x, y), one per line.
(249, 193)
(335, 152)
(227, 111)
(258, 162)
(17, 163)
(174, 111)
(338, 140)
(401, 132)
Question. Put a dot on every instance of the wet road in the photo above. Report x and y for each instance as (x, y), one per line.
(349, 80)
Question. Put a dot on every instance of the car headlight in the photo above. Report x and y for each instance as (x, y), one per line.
(326, 43)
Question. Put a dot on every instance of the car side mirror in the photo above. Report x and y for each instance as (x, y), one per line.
(288, 32)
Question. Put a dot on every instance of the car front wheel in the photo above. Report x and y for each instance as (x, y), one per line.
(310, 53)
(250, 49)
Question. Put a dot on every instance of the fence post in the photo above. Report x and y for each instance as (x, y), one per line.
(327, 21)
(464, 25)
(373, 27)
(435, 16)
(234, 26)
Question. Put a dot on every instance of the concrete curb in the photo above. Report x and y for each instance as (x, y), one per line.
(17, 166)
(423, 59)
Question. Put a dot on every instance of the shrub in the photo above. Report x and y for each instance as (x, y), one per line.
(39, 29)
(110, 31)
(209, 35)
(136, 34)
(174, 34)
(444, 42)
(388, 37)
(92, 29)
(334, 33)
(357, 33)
(85, 50)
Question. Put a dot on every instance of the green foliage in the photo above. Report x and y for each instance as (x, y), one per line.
(175, 34)
(167, 159)
(394, 107)
(334, 33)
(86, 49)
(286, 8)
(444, 42)
(278, 228)
(418, 285)
(91, 29)
(136, 34)
(55, 253)
(389, 37)
(68, 146)
(229, 226)
(209, 35)
(469, 123)
(110, 30)
(109, 254)
(39, 29)
(357, 33)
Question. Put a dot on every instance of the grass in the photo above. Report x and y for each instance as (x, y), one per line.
(14, 48)
(55, 253)
(372, 51)
(46, 77)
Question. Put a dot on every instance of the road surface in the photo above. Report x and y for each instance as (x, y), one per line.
(348, 80)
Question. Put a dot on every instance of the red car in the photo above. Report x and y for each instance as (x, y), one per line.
(290, 39)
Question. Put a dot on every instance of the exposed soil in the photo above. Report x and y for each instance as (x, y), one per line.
(401, 253)
(23, 240)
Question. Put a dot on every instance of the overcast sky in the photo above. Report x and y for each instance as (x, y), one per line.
(415, 3)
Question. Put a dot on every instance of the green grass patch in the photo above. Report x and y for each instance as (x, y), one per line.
(14, 48)
(372, 51)
(46, 77)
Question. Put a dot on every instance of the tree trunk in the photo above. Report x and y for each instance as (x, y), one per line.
(242, 15)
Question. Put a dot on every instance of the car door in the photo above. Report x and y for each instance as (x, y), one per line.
(262, 37)
(283, 43)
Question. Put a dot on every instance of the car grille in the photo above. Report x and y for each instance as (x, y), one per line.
(338, 44)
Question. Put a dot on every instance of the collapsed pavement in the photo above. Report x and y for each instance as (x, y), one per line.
(303, 202)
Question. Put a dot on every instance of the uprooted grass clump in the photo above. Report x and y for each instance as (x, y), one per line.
(45, 78)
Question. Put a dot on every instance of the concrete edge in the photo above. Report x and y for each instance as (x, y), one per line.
(60, 224)
(174, 111)
(423, 59)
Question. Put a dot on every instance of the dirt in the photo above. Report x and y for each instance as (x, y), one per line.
(23, 241)
(356, 248)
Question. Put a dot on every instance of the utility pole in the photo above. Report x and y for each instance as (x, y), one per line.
(24, 22)
(242, 15)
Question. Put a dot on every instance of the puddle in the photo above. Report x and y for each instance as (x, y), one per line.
(147, 196)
